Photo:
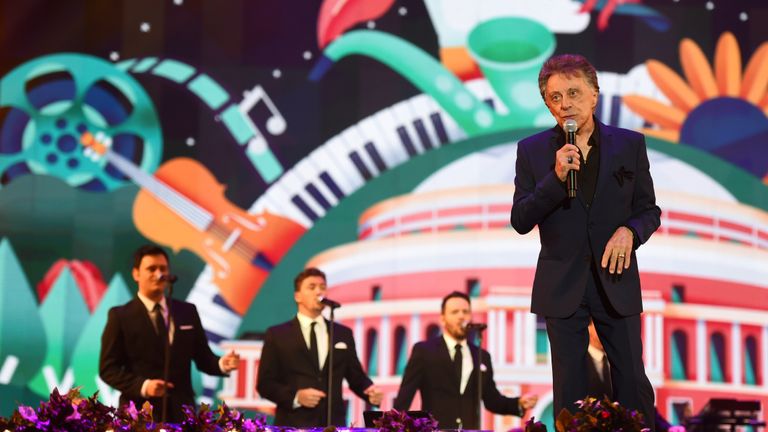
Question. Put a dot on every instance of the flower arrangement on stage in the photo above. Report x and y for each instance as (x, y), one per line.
(72, 413)
(593, 415)
(600, 415)
(400, 421)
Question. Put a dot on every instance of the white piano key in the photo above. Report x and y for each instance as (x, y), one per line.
(607, 81)
(389, 124)
(483, 91)
(338, 150)
(310, 174)
(300, 198)
(357, 154)
(328, 165)
(425, 106)
(386, 144)
(279, 194)
(452, 129)
(405, 116)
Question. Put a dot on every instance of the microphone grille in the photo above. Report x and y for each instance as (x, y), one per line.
(570, 125)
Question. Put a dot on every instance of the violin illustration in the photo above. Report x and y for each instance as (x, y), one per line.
(183, 206)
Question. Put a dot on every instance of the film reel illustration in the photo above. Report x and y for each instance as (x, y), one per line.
(48, 102)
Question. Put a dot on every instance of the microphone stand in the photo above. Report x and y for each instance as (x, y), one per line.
(167, 356)
(479, 377)
(329, 364)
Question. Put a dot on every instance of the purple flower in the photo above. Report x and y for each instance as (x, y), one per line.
(28, 413)
(131, 410)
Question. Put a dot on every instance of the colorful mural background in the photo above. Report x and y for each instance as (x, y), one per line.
(250, 136)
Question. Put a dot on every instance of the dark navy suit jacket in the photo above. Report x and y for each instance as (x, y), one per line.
(131, 352)
(286, 366)
(430, 371)
(573, 236)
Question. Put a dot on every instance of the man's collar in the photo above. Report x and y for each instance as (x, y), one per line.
(451, 342)
(594, 137)
(150, 304)
(306, 321)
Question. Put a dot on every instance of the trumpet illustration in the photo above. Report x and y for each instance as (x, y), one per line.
(509, 50)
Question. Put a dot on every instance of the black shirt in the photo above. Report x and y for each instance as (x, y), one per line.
(587, 175)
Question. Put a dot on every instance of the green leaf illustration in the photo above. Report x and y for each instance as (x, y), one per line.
(22, 337)
(64, 315)
(85, 359)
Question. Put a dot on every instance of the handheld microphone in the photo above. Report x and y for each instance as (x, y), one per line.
(170, 278)
(571, 127)
(328, 302)
(475, 326)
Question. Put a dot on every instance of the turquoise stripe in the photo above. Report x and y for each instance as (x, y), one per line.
(209, 91)
(233, 119)
(174, 71)
(144, 65)
(125, 65)
(266, 164)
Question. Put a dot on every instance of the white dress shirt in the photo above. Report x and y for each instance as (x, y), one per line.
(150, 305)
(466, 358)
(321, 332)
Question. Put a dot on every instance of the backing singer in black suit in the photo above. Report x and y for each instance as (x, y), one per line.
(444, 370)
(293, 372)
(133, 342)
(587, 266)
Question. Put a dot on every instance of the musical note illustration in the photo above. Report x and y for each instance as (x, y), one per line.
(276, 122)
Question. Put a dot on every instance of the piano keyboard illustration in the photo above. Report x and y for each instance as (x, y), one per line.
(407, 129)
(362, 152)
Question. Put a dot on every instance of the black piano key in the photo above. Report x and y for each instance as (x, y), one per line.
(360, 165)
(308, 212)
(437, 122)
(375, 156)
(405, 139)
(423, 135)
(328, 180)
(317, 196)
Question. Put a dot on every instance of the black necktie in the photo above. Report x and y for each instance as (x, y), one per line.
(313, 352)
(457, 361)
(160, 327)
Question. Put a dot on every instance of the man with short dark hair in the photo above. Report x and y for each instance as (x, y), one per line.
(134, 338)
(293, 372)
(444, 370)
(586, 267)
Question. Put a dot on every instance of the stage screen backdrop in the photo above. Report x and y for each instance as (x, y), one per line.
(375, 139)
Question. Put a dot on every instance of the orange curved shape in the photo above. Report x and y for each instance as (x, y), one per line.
(697, 70)
(236, 245)
(656, 112)
(460, 62)
(673, 86)
(672, 136)
(336, 16)
(728, 65)
(755, 82)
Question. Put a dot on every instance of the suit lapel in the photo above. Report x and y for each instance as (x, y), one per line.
(444, 357)
(475, 368)
(606, 159)
(330, 343)
(139, 311)
(298, 337)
